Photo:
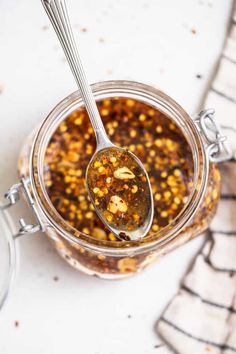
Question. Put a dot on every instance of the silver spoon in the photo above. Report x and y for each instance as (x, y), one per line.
(123, 218)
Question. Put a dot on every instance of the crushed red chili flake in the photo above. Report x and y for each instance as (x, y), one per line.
(193, 30)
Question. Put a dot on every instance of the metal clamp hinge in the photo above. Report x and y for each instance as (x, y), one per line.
(13, 196)
(217, 148)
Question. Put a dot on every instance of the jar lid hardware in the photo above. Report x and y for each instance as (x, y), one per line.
(217, 148)
(13, 196)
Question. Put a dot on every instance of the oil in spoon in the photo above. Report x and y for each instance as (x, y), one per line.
(119, 189)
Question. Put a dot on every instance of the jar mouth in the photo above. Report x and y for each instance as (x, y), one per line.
(158, 100)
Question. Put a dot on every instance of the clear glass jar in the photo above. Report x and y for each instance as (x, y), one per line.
(115, 259)
(112, 259)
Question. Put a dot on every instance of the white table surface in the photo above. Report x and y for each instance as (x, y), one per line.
(162, 42)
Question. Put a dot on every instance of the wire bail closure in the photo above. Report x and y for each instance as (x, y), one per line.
(13, 196)
(217, 148)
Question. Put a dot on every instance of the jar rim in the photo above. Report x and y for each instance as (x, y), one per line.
(148, 95)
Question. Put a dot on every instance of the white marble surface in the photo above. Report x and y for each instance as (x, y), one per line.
(152, 41)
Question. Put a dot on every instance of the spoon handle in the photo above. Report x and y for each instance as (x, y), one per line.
(58, 15)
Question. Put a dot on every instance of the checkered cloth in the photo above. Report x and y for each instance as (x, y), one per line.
(202, 316)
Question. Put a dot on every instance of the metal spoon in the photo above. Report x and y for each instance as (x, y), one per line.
(57, 13)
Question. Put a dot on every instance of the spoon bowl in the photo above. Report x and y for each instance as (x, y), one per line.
(120, 190)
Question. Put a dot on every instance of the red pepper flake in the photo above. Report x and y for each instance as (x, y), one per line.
(193, 30)
(84, 30)
(16, 323)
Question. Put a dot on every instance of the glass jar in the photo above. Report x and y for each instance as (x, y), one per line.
(115, 259)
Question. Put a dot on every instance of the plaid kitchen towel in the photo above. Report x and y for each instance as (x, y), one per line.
(202, 316)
